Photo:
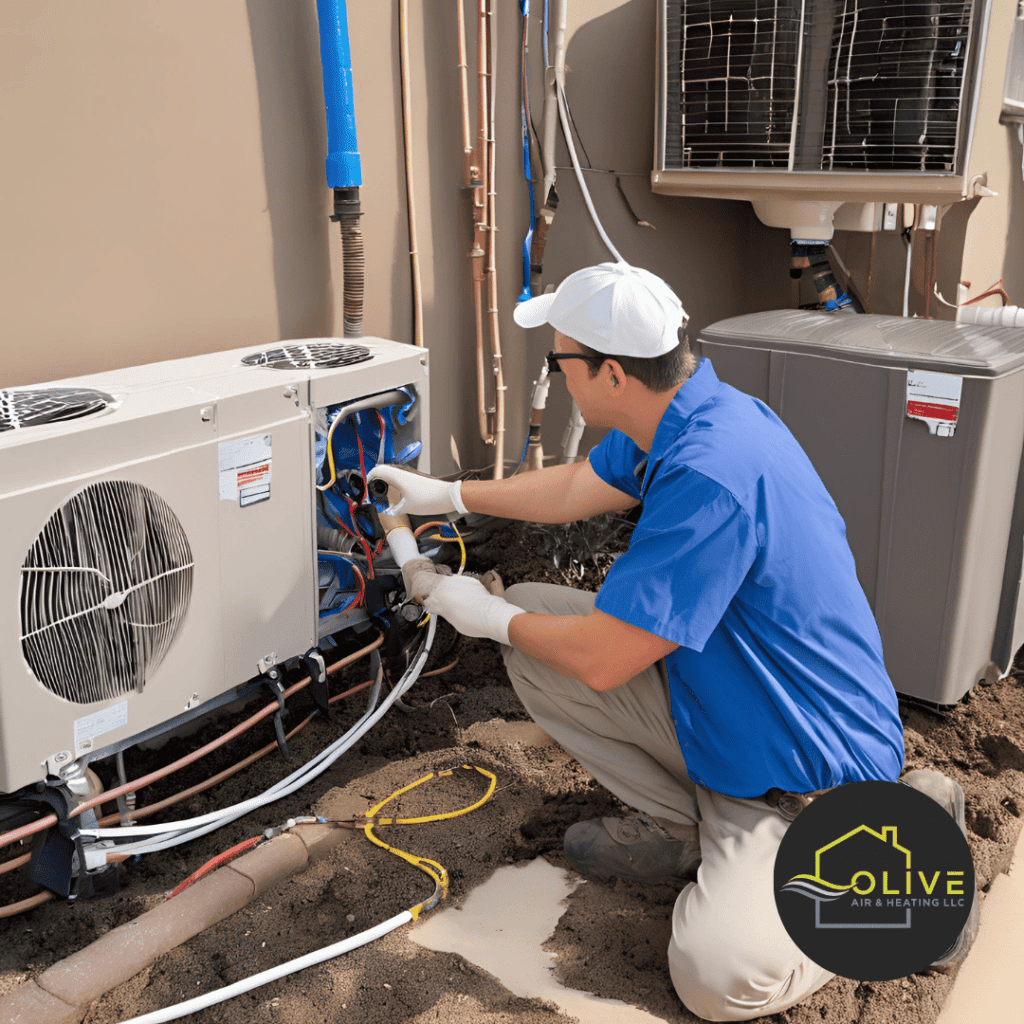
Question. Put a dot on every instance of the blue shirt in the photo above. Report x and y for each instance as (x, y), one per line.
(740, 557)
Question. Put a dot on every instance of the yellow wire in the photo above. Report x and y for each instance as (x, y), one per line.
(436, 871)
(330, 456)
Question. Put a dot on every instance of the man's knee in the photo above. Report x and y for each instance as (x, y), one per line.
(716, 986)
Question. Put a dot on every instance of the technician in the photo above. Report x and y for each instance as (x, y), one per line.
(729, 669)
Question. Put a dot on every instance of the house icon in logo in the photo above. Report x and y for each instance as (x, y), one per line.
(877, 873)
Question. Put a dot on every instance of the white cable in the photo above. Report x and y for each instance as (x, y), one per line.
(906, 281)
(190, 828)
(272, 974)
(566, 130)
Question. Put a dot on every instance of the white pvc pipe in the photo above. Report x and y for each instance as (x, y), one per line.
(996, 316)
(906, 279)
(272, 974)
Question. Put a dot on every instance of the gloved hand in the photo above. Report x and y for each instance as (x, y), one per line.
(466, 603)
(430, 572)
(421, 495)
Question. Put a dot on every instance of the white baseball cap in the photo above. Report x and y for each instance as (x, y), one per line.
(612, 308)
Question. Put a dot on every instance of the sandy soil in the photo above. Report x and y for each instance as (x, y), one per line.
(611, 939)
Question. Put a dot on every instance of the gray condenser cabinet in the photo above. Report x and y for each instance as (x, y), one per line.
(916, 427)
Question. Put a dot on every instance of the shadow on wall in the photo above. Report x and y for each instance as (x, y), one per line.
(286, 55)
(1013, 262)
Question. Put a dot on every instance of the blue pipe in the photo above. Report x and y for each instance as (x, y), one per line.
(343, 166)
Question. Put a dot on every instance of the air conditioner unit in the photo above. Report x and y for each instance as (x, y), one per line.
(159, 535)
(827, 101)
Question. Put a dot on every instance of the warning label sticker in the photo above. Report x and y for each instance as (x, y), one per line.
(934, 398)
(245, 469)
(99, 722)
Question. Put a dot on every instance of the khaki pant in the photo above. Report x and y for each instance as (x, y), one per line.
(730, 956)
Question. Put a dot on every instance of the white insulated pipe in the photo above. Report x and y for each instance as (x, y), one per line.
(992, 316)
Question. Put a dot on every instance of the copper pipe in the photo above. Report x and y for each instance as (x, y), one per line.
(10, 865)
(467, 145)
(410, 190)
(32, 901)
(492, 270)
(480, 226)
(144, 812)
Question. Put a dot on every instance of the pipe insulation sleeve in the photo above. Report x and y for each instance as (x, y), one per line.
(274, 973)
(402, 545)
(996, 316)
(343, 165)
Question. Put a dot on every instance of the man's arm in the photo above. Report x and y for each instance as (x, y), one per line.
(555, 494)
(599, 650)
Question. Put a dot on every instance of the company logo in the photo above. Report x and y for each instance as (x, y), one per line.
(874, 880)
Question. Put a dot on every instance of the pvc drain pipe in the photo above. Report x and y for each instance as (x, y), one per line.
(273, 974)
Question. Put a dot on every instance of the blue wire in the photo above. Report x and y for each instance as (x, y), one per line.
(524, 7)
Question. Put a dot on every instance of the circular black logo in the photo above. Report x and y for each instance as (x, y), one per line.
(874, 880)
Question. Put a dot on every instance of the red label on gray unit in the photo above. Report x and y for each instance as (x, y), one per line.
(932, 411)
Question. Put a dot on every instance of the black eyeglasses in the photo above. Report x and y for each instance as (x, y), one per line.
(553, 357)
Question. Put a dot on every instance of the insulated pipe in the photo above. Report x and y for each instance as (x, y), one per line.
(474, 183)
(492, 269)
(998, 316)
(344, 171)
(554, 75)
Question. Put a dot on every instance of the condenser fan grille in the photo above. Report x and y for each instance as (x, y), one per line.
(32, 408)
(104, 591)
(316, 355)
(815, 85)
(896, 74)
(735, 74)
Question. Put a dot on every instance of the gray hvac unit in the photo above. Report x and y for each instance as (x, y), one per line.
(916, 427)
(818, 100)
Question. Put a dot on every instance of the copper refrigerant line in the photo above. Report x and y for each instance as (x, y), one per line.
(183, 831)
(478, 179)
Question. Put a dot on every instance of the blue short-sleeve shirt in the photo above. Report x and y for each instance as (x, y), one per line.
(740, 557)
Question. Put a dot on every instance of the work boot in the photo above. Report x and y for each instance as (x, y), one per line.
(635, 847)
(948, 794)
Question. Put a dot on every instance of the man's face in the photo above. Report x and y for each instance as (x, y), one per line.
(583, 387)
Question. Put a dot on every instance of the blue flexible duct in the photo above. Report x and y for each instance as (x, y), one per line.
(343, 166)
(344, 171)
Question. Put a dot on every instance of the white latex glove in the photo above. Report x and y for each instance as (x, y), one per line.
(466, 603)
(421, 495)
(425, 567)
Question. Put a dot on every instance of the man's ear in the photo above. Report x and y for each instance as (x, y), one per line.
(618, 375)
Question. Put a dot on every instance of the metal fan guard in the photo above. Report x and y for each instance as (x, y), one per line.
(315, 355)
(105, 589)
(21, 408)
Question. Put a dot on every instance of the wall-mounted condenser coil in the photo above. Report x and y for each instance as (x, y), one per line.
(159, 540)
(818, 100)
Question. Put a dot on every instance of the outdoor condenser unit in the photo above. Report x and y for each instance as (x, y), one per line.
(158, 542)
(828, 101)
(916, 428)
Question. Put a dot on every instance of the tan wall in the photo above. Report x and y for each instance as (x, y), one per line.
(164, 189)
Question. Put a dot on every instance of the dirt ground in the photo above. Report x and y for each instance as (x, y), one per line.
(612, 938)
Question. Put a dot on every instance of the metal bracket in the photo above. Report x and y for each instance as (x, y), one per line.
(314, 663)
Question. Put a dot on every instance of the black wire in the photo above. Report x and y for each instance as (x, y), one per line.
(572, 121)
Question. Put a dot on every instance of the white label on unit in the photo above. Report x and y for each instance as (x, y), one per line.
(934, 398)
(100, 722)
(245, 469)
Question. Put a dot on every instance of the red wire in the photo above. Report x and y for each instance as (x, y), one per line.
(216, 862)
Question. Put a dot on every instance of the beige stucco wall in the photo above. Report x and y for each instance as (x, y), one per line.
(164, 193)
